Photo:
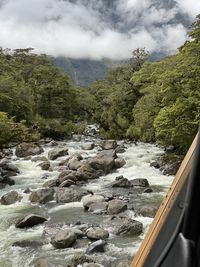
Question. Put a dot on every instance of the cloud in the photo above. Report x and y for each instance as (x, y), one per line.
(93, 29)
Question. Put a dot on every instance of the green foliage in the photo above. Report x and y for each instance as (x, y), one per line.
(14, 133)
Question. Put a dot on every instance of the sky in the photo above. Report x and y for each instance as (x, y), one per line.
(96, 29)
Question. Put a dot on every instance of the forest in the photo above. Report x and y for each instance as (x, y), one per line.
(147, 101)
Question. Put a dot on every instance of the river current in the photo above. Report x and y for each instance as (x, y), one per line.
(138, 158)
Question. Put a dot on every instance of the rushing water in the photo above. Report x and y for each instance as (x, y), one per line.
(138, 158)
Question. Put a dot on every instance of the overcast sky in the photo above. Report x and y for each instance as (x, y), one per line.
(95, 28)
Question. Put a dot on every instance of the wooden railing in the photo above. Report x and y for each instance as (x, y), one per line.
(164, 208)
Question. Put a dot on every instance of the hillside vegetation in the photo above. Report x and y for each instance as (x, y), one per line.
(147, 101)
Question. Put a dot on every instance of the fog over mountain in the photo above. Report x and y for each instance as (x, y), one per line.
(96, 29)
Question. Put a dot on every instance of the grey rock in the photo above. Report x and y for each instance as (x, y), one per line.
(5, 165)
(28, 149)
(42, 196)
(98, 207)
(141, 182)
(27, 190)
(45, 165)
(96, 233)
(147, 211)
(108, 144)
(51, 183)
(124, 226)
(57, 152)
(30, 221)
(116, 206)
(104, 163)
(67, 183)
(63, 239)
(91, 199)
(97, 246)
(86, 172)
(148, 190)
(67, 195)
(119, 163)
(39, 158)
(155, 164)
(121, 182)
(10, 198)
(88, 146)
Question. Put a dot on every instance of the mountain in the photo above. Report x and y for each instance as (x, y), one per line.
(81, 71)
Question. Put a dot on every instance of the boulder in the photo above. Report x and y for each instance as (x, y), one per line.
(148, 190)
(97, 246)
(141, 182)
(121, 182)
(108, 144)
(45, 165)
(119, 163)
(96, 233)
(88, 146)
(109, 153)
(28, 243)
(116, 206)
(86, 172)
(147, 211)
(124, 225)
(28, 149)
(39, 158)
(67, 195)
(98, 207)
(30, 221)
(91, 199)
(155, 164)
(27, 190)
(42, 196)
(51, 183)
(63, 239)
(57, 152)
(120, 149)
(67, 183)
(79, 258)
(10, 198)
(7, 166)
(74, 163)
(103, 163)
(8, 180)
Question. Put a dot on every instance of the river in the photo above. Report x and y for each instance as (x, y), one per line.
(138, 158)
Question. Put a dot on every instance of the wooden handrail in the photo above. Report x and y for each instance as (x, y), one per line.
(164, 208)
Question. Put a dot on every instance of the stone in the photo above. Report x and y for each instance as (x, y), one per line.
(108, 144)
(51, 183)
(148, 190)
(86, 172)
(98, 207)
(45, 165)
(88, 146)
(91, 199)
(8, 180)
(120, 150)
(155, 164)
(116, 206)
(120, 225)
(96, 233)
(67, 195)
(147, 211)
(67, 183)
(97, 246)
(42, 263)
(63, 239)
(119, 163)
(5, 165)
(79, 258)
(104, 163)
(122, 182)
(57, 152)
(10, 198)
(141, 182)
(27, 190)
(42, 196)
(30, 221)
(39, 158)
(74, 163)
(28, 243)
(28, 149)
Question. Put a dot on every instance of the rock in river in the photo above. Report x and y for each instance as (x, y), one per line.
(42, 196)
(90, 199)
(30, 221)
(96, 233)
(57, 152)
(63, 239)
(97, 246)
(116, 206)
(10, 198)
(67, 195)
(28, 149)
